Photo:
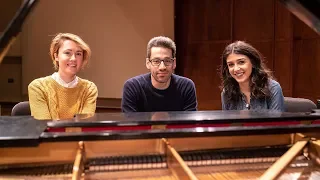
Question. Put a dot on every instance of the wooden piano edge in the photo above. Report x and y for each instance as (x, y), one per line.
(78, 166)
(314, 151)
(284, 161)
(302, 142)
(176, 164)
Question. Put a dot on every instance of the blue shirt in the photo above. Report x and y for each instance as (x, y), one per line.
(274, 102)
(139, 95)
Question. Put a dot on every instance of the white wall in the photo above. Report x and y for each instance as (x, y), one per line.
(116, 30)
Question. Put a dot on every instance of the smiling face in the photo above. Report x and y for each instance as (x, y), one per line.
(161, 74)
(240, 67)
(70, 58)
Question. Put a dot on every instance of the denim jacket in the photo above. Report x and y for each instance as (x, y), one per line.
(274, 102)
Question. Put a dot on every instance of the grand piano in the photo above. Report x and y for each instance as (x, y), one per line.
(162, 145)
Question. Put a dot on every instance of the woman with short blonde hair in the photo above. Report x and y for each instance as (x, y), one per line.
(63, 94)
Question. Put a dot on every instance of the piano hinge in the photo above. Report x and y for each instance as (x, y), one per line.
(74, 129)
(236, 124)
(159, 127)
(306, 122)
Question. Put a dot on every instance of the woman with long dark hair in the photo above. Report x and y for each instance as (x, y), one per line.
(246, 82)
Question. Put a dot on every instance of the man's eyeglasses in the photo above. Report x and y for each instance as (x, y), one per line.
(166, 62)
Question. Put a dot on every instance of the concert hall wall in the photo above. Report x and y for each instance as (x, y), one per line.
(204, 27)
(118, 30)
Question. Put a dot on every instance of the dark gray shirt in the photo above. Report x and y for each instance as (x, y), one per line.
(274, 102)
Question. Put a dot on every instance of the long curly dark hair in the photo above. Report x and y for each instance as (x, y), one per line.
(259, 77)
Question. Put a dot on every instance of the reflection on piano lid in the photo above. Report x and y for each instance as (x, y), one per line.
(13, 29)
(307, 11)
(182, 117)
(26, 131)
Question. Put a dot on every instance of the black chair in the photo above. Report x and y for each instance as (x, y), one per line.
(298, 104)
(21, 109)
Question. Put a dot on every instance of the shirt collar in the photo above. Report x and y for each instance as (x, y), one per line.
(60, 81)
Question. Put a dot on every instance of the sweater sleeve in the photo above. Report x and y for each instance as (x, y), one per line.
(90, 102)
(222, 101)
(190, 98)
(276, 97)
(129, 97)
(38, 103)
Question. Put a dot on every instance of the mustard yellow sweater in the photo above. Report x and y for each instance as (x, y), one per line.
(50, 100)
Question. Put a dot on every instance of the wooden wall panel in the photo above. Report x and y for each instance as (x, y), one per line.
(283, 23)
(219, 20)
(197, 22)
(306, 61)
(302, 31)
(201, 40)
(253, 20)
(210, 23)
(291, 48)
(283, 45)
(306, 68)
(181, 31)
(7, 12)
(203, 70)
(202, 66)
(283, 66)
(266, 49)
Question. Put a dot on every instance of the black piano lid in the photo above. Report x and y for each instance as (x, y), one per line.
(20, 131)
(181, 117)
(306, 10)
(14, 27)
